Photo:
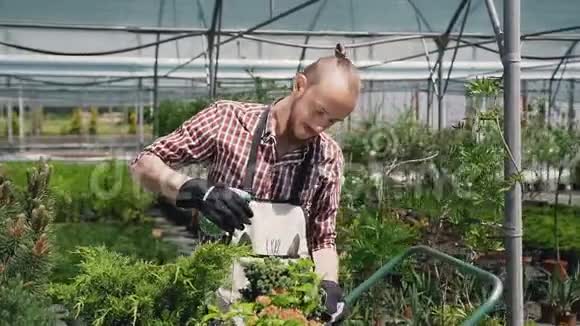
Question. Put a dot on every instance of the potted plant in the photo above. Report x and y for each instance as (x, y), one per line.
(562, 295)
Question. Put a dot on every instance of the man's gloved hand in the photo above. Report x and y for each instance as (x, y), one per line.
(336, 309)
(222, 205)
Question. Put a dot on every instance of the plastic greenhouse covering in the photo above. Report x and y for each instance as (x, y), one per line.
(74, 52)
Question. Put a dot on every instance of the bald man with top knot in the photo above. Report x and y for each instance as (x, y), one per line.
(295, 159)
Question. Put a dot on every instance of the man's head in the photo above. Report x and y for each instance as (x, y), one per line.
(324, 93)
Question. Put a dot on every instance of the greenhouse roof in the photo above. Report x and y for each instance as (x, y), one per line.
(334, 15)
(112, 43)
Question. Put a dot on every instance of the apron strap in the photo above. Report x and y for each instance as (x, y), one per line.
(300, 176)
(299, 180)
(251, 167)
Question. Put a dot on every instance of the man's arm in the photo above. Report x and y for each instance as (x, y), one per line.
(323, 219)
(193, 142)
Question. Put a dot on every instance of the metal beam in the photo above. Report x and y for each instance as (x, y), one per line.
(156, 73)
(253, 28)
(571, 111)
(554, 34)
(310, 27)
(211, 40)
(495, 24)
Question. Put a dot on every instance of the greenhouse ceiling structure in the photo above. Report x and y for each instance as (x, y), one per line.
(80, 52)
(120, 53)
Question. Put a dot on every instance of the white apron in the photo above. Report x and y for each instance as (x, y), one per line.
(278, 227)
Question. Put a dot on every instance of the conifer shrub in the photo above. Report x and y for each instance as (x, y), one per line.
(25, 248)
(114, 289)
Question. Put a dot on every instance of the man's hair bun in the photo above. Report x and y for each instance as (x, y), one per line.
(339, 51)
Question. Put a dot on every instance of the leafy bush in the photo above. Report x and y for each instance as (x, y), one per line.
(173, 113)
(139, 292)
(278, 293)
(135, 241)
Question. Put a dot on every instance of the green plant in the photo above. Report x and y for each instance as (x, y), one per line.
(564, 293)
(278, 293)
(367, 241)
(132, 123)
(76, 122)
(93, 122)
(172, 114)
(139, 292)
(25, 248)
(25, 227)
(21, 307)
(102, 191)
(135, 241)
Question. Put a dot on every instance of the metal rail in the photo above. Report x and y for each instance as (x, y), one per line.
(479, 314)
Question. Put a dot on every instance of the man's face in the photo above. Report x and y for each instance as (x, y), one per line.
(317, 107)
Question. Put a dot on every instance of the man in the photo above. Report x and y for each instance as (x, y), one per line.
(221, 135)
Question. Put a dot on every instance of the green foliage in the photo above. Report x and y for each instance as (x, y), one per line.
(76, 122)
(279, 293)
(15, 124)
(539, 226)
(21, 307)
(138, 291)
(25, 248)
(93, 122)
(484, 87)
(173, 113)
(25, 228)
(92, 192)
(370, 241)
(135, 241)
(404, 139)
(367, 240)
(132, 123)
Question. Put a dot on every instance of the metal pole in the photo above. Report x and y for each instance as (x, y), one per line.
(512, 130)
(156, 73)
(140, 112)
(155, 91)
(20, 118)
(440, 105)
(9, 118)
(571, 112)
(211, 35)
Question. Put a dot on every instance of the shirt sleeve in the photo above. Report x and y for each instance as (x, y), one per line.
(194, 141)
(325, 206)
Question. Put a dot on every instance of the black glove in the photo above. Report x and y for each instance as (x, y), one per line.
(336, 309)
(220, 204)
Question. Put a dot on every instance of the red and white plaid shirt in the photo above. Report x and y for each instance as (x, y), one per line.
(220, 136)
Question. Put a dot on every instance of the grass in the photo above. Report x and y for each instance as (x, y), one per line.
(134, 240)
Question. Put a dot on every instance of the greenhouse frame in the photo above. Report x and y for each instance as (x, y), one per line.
(414, 55)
